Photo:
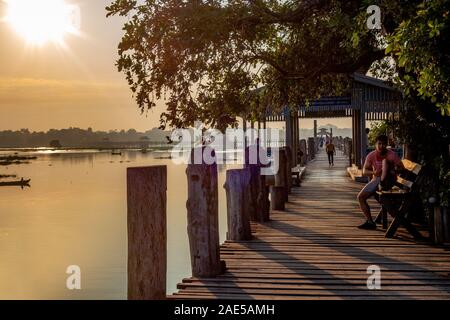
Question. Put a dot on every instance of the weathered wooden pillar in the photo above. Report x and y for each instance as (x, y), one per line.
(203, 218)
(363, 139)
(238, 190)
(353, 141)
(147, 232)
(288, 125)
(252, 163)
(254, 172)
(441, 225)
(280, 176)
(244, 128)
(357, 142)
(350, 152)
(311, 149)
(303, 150)
(297, 140)
(315, 130)
(288, 152)
(263, 212)
(277, 198)
(255, 159)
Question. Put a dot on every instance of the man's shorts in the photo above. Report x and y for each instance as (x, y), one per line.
(372, 186)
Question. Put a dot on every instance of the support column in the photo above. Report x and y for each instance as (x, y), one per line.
(352, 149)
(244, 127)
(363, 144)
(288, 122)
(357, 143)
(296, 140)
(315, 129)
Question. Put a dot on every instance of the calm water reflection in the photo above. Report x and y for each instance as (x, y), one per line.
(75, 214)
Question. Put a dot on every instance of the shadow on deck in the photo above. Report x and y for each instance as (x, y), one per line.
(313, 250)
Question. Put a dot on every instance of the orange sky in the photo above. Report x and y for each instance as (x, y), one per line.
(45, 87)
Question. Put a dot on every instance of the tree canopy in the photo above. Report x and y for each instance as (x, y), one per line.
(206, 58)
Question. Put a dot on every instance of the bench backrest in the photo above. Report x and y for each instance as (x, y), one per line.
(413, 169)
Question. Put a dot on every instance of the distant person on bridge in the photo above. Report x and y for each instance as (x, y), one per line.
(381, 165)
(331, 151)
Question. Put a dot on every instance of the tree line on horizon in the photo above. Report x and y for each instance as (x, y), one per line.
(75, 137)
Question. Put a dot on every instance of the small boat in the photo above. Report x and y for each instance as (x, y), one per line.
(19, 183)
(116, 153)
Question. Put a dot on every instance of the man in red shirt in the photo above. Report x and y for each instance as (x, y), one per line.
(380, 165)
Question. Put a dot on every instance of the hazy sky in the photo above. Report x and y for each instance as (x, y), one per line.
(43, 87)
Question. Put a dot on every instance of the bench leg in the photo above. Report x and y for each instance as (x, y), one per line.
(413, 231)
(400, 219)
(382, 217)
(379, 218)
(385, 218)
(393, 227)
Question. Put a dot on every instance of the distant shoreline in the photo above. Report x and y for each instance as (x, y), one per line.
(30, 149)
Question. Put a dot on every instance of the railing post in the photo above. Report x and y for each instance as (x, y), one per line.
(277, 195)
(203, 217)
(311, 149)
(280, 176)
(237, 188)
(288, 152)
(147, 232)
(255, 159)
(263, 212)
(303, 148)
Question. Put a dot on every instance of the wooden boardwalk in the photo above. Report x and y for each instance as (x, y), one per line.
(313, 250)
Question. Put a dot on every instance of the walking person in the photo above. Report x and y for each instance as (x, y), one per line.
(331, 151)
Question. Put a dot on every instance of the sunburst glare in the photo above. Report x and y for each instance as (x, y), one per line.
(42, 21)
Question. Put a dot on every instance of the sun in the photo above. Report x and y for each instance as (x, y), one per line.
(42, 21)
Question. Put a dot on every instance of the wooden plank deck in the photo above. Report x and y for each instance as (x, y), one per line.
(313, 250)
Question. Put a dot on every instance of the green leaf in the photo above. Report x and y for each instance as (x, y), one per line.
(355, 40)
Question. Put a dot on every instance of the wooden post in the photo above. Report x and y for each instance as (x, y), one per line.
(363, 139)
(263, 209)
(147, 232)
(441, 225)
(296, 140)
(311, 148)
(288, 127)
(350, 152)
(203, 219)
(277, 198)
(251, 155)
(303, 149)
(439, 234)
(238, 190)
(288, 151)
(280, 177)
(358, 135)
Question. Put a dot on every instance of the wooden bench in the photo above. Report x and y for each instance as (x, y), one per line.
(398, 200)
(297, 174)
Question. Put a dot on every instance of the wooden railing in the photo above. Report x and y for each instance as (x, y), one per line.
(247, 193)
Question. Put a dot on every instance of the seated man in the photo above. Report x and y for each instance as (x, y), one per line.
(381, 165)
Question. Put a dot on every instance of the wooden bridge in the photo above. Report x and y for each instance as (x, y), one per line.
(313, 250)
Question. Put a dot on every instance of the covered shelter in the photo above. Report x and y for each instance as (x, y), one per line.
(370, 99)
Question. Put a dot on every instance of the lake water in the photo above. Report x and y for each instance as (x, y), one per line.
(75, 214)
